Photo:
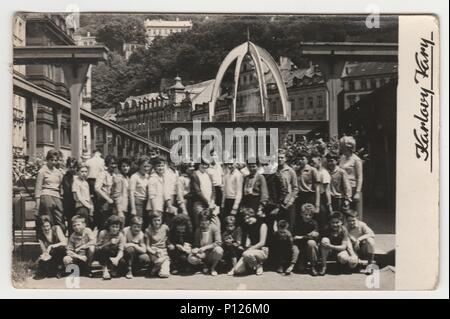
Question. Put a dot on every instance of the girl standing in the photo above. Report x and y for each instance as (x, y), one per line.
(48, 190)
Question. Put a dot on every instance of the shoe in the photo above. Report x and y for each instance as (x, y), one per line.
(90, 274)
(38, 276)
(59, 274)
(289, 270)
(163, 275)
(106, 275)
(213, 273)
(205, 271)
(323, 271)
(129, 275)
(259, 270)
(231, 273)
(174, 272)
(313, 271)
(280, 270)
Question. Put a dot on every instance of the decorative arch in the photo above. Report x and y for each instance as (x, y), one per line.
(258, 55)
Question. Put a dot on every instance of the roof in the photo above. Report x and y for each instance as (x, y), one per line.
(369, 68)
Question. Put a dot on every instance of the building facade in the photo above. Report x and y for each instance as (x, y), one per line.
(41, 30)
(163, 28)
(144, 114)
(361, 79)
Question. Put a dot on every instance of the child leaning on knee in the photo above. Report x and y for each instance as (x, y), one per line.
(361, 237)
(232, 241)
(110, 246)
(306, 235)
(282, 249)
(135, 253)
(80, 246)
(336, 244)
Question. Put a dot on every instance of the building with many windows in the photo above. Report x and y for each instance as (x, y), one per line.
(164, 28)
(360, 79)
(144, 114)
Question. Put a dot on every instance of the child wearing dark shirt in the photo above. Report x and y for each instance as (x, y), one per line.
(306, 234)
(284, 255)
(335, 243)
(180, 243)
(231, 242)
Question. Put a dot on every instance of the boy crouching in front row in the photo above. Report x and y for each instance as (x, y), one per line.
(135, 253)
(80, 246)
(336, 244)
(110, 246)
(362, 239)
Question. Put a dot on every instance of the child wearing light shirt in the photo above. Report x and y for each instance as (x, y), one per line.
(156, 237)
(83, 202)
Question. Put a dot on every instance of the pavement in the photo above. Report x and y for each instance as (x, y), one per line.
(267, 281)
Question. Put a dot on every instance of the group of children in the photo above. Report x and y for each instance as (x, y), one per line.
(164, 220)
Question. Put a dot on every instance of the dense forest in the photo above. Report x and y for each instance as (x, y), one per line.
(195, 55)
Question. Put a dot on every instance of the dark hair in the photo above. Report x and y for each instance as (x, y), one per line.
(71, 162)
(157, 161)
(303, 154)
(332, 156)
(336, 215)
(248, 211)
(44, 219)
(51, 154)
(113, 220)
(283, 224)
(109, 159)
(124, 160)
(351, 213)
(181, 220)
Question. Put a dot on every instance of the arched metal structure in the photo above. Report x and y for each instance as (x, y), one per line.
(259, 56)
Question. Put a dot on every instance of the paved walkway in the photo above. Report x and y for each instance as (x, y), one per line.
(268, 281)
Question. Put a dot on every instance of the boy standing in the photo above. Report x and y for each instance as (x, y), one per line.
(340, 189)
(80, 188)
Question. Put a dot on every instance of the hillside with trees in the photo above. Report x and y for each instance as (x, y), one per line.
(195, 55)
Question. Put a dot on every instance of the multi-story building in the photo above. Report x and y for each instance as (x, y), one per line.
(19, 102)
(163, 28)
(360, 79)
(144, 114)
(40, 29)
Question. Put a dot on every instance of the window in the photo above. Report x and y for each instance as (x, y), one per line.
(351, 85)
(301, 103)
(310, 102)
(319, 101)
(373, 84)
(363, 85)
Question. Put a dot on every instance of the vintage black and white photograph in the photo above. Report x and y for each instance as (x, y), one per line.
(204, 151)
